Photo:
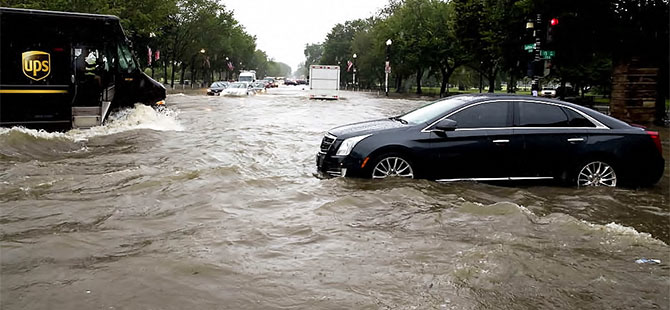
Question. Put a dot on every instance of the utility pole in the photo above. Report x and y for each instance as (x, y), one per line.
(535, 88)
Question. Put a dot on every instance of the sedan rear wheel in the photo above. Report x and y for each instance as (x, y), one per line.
(392, 166)
(597, 173)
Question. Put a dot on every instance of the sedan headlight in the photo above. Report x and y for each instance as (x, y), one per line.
(348, 144)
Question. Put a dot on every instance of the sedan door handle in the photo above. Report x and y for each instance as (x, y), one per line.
(501, 141)
(573, 140)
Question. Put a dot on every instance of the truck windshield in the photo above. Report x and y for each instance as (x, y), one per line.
(245, 79)
(126, 62)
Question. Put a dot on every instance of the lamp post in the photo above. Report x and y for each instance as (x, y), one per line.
(227, 69)
(354, 81)
(202, 51)
(387, 67)
(152, 35)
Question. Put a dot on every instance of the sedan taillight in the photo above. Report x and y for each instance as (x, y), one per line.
(657, 140)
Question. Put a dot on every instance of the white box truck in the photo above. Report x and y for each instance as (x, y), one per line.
(247, 76)
(324, 82)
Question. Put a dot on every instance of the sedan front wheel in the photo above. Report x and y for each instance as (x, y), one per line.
(597, 173)
(392, 166)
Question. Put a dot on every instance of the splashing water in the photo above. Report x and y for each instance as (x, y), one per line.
(138, 117)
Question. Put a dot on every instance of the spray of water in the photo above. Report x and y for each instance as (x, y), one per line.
(138, 117)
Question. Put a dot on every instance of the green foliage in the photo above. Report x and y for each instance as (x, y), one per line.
(438, 37)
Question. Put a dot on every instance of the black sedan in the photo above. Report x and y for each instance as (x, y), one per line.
(217, 87)
(496, 138)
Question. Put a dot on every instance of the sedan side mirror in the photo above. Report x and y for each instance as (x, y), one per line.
(446, 125)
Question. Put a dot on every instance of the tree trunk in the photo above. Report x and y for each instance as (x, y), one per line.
(172, 80)
(398, 83)
(446, 75)
(183, 72)
(492, 81)
(511, 85)
(165, 67)
(445, 81)
(419, 77)
(562, 94)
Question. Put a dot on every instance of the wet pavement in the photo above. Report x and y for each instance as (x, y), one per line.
(213, 204)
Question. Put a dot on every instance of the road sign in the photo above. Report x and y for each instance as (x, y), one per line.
(387, 68)
(529, 47)
(547, 54)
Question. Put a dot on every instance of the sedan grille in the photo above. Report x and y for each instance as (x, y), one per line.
(327, 142)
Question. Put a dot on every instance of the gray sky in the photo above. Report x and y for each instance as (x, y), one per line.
(282, 28)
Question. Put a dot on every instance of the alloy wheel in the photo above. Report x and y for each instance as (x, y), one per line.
(597, 173)
(392, 167)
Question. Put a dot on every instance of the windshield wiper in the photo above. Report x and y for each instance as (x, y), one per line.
(396, 118)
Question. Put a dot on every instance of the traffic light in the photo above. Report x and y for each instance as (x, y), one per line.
(551, 29)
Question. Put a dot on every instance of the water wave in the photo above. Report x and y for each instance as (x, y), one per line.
(138, 117)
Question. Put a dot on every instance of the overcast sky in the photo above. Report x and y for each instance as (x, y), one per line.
(282, 28)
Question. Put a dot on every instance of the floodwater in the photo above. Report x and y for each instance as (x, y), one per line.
(213, 204)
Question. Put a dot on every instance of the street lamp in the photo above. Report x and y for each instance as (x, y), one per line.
(152, 35)
(354, 81)
(202, 51)
(387, 68)
(227, 68)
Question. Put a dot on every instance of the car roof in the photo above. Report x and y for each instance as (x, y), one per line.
(609, 121)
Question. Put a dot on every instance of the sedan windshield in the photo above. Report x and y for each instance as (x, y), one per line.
(433, 110)
(238, 85)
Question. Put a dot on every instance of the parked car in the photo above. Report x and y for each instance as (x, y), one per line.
(238, 89)
(496, 138)
(217, 87)
(548, 92)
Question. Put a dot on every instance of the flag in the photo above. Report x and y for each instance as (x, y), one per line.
(149, 55)
(157, 55)
(349, 65)
(230, 66)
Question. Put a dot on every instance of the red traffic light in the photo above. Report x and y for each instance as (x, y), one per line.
(554, 21)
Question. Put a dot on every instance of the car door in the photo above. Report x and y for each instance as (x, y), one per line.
(479, 147)
(552, 136)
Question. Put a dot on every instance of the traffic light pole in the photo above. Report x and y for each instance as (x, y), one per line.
(535, 88)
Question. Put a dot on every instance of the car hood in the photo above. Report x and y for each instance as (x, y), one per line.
(367, 127)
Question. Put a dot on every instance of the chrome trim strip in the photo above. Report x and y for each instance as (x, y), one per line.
(530, 178)
(496, 179)
(598, 124)
(501, 141)
(576, 140)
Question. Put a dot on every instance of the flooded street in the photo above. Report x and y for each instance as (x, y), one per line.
(213, 204)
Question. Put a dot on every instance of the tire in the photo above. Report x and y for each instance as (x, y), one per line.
(596, 173)
(392, 165)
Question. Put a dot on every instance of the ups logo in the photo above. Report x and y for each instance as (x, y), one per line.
(36, 64)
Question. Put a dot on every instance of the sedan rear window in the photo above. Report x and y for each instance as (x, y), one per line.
(541, 115)
(577, 120)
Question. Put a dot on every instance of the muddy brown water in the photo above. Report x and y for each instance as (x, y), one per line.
(214, 205)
